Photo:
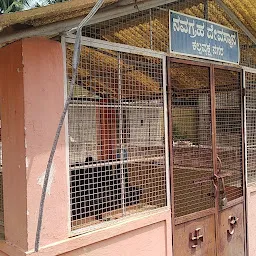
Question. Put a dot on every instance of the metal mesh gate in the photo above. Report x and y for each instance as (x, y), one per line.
(197, 114)
(192, 142)
(116, 136)
(250, 86)
(229, 131)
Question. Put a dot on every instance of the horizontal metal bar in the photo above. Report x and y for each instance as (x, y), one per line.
(162, 9)
(86, 41)
(149, 159)
(251, 109)
(249, 70)
(251, 147)
(123, 220)
(192, 216)
(115, 106)
(205, 62)
(234, 202)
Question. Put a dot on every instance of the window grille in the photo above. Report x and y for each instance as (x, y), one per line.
(250, 84)
(116, 136)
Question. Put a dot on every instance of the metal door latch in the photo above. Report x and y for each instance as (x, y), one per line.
(232, 222)
(196, 238)
(223, 201)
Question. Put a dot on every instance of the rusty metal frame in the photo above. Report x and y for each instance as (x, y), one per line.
(246, 197)
(240, 71)
(214, 153)
(243, 198)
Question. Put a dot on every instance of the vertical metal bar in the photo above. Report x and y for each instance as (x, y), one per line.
(151, 31)
(149, 125)
(169, 240)
(63, 44)
(166, 137)
(245, 162)
(171, 175)
(121, 133)
(206, 9)
(214, 152)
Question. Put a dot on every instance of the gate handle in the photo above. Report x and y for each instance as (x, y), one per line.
(220, 164)
(196, 238)
(232, 222)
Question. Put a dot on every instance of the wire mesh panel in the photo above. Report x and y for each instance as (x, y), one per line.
(150, 28)
(144, 28)
(116, 136)
(250, 83)
(192, 143)
(229, 132)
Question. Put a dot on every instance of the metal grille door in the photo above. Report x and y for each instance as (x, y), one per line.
(192, 142)
(230, 156)
(207, 170)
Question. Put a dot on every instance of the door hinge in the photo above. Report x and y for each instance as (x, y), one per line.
(243, 92)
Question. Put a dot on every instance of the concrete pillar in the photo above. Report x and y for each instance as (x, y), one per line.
(32, 98)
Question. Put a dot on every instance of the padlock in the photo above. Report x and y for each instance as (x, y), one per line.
(224, 202)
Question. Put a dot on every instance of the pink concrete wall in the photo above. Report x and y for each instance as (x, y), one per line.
(251, 221)
(147, 241)
(14, 169)
(32, 98)
(43, 103)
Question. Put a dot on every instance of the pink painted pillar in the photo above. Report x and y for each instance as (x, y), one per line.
(32, 98)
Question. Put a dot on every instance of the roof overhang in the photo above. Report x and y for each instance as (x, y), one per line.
(59, 18)
(35, 25)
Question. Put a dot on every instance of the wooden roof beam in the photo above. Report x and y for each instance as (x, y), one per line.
(231, 14)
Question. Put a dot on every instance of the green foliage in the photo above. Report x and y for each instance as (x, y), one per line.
(7, 6)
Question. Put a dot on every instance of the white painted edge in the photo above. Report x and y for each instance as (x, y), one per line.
(96, 43)
(249, 70)
(166, 132)
(245, 185)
